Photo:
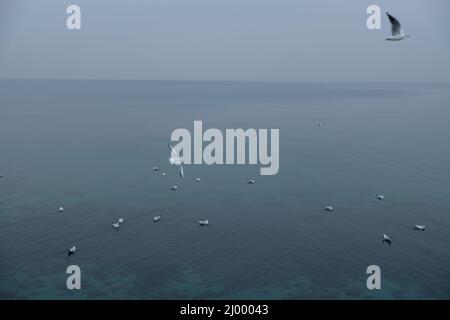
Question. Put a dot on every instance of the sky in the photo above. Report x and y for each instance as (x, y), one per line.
(242, 40)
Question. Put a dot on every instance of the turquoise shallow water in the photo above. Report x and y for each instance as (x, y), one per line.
(91, 145)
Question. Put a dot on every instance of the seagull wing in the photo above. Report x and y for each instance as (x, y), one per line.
(181, 171)
(395, 25)
(173, 153)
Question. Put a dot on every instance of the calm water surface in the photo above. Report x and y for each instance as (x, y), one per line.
(91, 145)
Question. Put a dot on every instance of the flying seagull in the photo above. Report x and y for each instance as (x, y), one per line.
(174, 159)
(397, 33)
(386, 239)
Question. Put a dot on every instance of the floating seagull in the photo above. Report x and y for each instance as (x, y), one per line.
(174, 188)
(204, 222)
(156, 218)
(60, 209)
(71, 251)
(197, 179)
(419, 227)
(116, 225)
(155, 169)
(397, 33)
(174, 159)
(250, 181)
(386, 239)
(121, 220)
(163, 174)
(328, 208)
(380, 197)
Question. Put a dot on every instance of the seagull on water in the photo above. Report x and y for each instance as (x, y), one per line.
(174, 188)
(155, 169)
(328, 208)
(386, 239)
(116, 225)
(397, 33)
(60, 209)
(419, 227)
(380, 197)
(197, 179)
(251, 181)
(71, 251)
(204, 222)
(174, 159)
(156, 218)
(121, 220)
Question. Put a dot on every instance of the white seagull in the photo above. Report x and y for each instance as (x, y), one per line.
(116, 225)
(121, 220)
(386, 239)
(204, 222)
(60, 209)
(197, 179)
(328, 208)
(397, 33)
(380, 197)
(419, 227)
(174, 159)
(251, 181)
(174, 188)
(156, 218)
(71, 251)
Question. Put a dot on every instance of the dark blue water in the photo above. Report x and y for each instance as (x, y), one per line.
(91, 145)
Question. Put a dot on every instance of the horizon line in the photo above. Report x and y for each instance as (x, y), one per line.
(239, 81)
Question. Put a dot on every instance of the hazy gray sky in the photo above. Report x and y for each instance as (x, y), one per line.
(264, 40)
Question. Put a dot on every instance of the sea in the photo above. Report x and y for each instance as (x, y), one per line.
(91, 145)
